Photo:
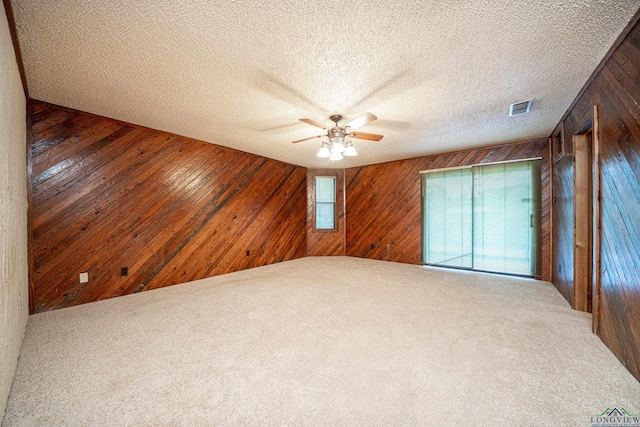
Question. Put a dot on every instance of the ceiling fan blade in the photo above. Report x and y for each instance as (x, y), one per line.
(314, 123)
(307, 139)
(361, 121)
(367, 136)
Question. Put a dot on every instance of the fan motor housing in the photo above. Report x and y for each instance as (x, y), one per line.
(337, 132)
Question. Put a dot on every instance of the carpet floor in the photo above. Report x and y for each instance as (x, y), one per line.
(321, 341)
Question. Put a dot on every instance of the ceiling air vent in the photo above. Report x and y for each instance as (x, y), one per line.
(520, 108)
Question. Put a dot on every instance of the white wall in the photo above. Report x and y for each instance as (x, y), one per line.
(13, 213)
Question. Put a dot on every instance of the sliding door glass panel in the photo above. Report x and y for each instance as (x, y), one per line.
(506, 208)
(447, 207)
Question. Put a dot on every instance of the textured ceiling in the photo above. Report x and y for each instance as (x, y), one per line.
(439, 74)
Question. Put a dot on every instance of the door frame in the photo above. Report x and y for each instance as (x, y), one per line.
(597, 213)
(582, 217)
(593, 236)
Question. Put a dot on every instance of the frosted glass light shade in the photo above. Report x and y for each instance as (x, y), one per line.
(350, 151)
(338, 146)
(335, 156)
(324, 152)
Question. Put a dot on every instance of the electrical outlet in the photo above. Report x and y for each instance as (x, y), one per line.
(84, 277)
(124, 271)
(248, 253)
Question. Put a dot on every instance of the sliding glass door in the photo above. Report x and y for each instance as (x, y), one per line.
(505, 211)
(483, 218)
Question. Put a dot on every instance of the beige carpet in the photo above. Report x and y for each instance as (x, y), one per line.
(321, 341)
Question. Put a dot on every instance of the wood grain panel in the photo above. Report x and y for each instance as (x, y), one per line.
(326, 242)
(108, 194)
(383, 216)
(615, 90)
(563, 226)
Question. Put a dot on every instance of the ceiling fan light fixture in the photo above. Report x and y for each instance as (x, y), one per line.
(335, 156)
(336, 147)
(350, 150)
(324, 152)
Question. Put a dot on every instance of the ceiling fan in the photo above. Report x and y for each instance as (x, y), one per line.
(336, 147)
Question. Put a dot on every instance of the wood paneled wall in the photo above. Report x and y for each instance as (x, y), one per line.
(563, 222)
(108, 194)
(615, 89)
(383, 206)
(325, 242)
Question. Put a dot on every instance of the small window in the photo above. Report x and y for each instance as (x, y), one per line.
(325, 203)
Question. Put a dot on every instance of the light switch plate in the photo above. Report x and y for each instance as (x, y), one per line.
(84, 277)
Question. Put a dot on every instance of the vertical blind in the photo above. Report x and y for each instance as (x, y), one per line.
(483, 218)
(448, 218)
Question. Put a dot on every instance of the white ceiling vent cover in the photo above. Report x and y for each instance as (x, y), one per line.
(520, 108)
